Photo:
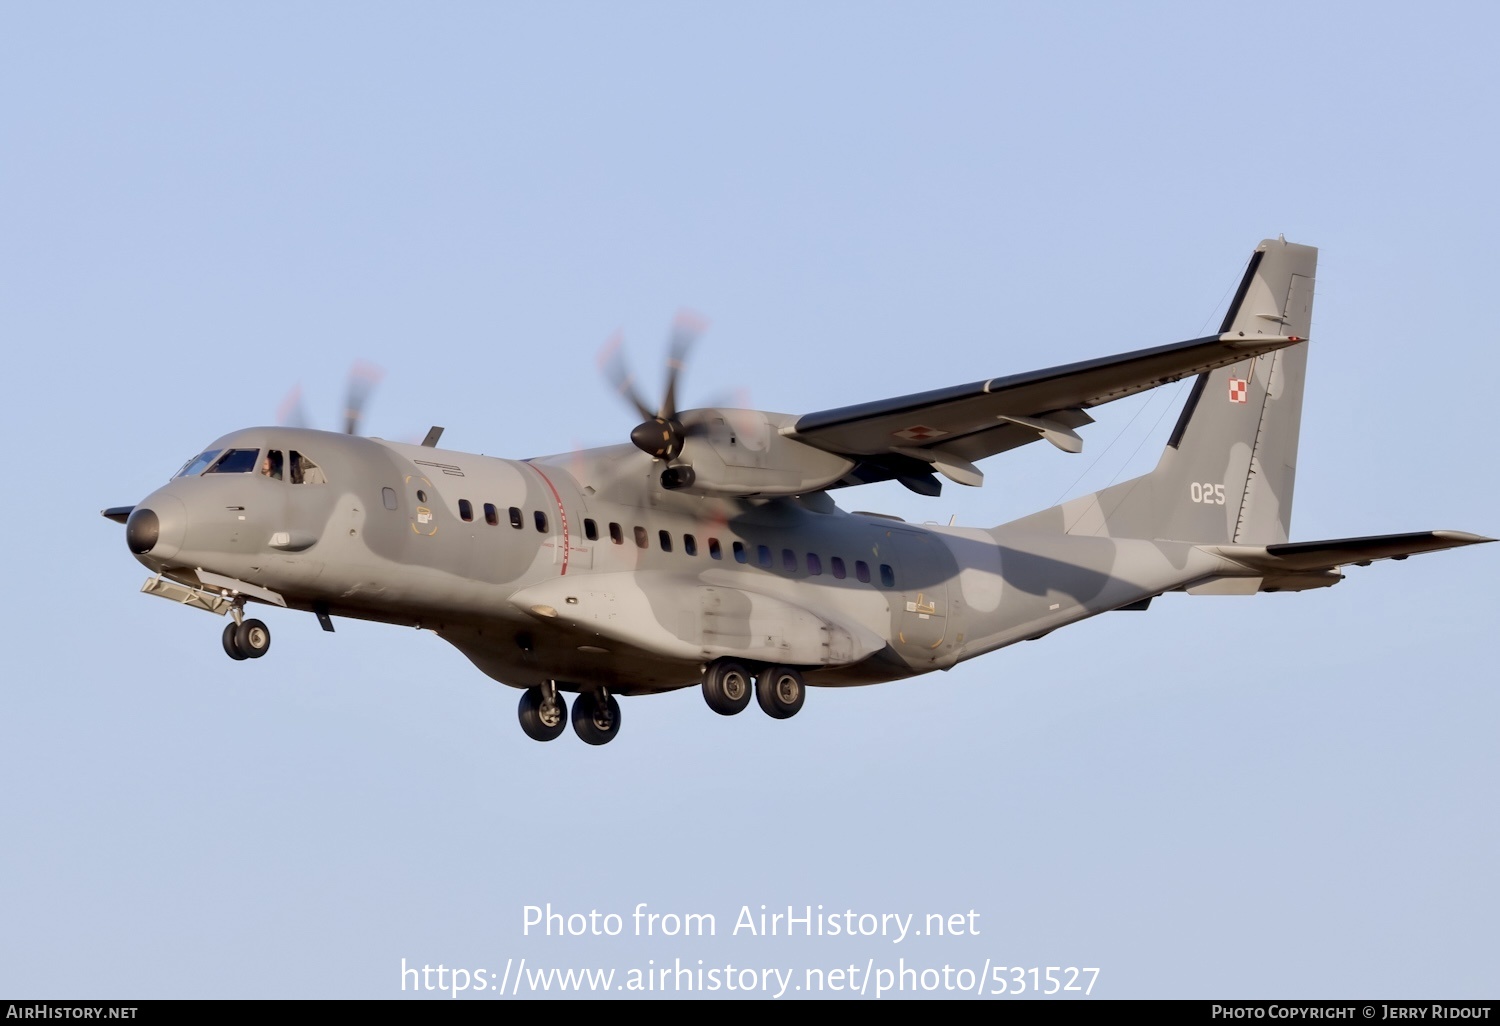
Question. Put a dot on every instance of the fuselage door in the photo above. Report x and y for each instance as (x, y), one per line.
(923, 567)
(423, 505)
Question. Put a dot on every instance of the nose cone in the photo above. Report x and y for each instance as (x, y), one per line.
(155, 529)
(142, 530)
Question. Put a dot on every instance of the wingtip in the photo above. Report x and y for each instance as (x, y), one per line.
(1462, 537)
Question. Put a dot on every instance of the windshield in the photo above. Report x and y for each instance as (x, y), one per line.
(195, 466)
(236, 461)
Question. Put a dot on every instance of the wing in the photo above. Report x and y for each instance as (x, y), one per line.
(947, 430)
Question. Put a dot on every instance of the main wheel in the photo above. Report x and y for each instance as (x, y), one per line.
(780, 691)
(594, 721)
(253, 638)
(542, 719)
(727, 687)
(232, 646)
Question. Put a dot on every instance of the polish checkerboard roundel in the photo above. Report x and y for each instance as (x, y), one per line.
(1239, 390)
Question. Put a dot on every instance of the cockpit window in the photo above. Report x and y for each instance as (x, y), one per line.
(273, 464)
(305, 471)
(236, 461)
(196, 465)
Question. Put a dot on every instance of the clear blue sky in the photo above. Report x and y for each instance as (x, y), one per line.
(202, 206)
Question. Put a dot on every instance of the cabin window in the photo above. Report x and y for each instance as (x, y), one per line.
(491, 514)
(862, 571)
(714, 549)
(305, 471)
(515, 517)
(689, 545)
(814, 564)
(665, 537)
(388, 497)
(642, 539)
(887, 576)
(763, 555)
(837, 564)
(421, 495)
(465, 510)
(615, 534)
(236, 461)
(590, 530)
(739, 553)
(540, 519)
(789, 561)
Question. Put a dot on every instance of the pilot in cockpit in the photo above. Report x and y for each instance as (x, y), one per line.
(271, 465)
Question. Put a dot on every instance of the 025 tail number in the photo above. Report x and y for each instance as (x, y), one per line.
(1203, 491)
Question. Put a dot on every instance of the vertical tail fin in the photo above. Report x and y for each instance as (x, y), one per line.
(1227, 473)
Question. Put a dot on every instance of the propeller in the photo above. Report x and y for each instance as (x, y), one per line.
(363, 377)
(291, 412)
(661, 434)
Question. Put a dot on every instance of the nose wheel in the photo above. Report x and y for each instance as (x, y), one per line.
(247, 639)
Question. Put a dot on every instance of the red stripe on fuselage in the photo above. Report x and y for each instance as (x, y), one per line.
(562, 517)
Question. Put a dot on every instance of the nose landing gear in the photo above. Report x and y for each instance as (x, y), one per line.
(245, 639)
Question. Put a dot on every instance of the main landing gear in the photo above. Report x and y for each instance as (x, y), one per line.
(780, 690)
(727, 687)
(596, 717)
(544, 713)
(245, 639)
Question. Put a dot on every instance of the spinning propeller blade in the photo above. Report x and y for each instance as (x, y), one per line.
(363, 377)
(661, 435)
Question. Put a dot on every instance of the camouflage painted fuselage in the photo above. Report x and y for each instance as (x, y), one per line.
(531, 597)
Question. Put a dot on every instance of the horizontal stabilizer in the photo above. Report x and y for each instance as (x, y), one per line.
(1319, 556)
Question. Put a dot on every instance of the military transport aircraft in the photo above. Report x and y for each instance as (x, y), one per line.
(711, 553)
